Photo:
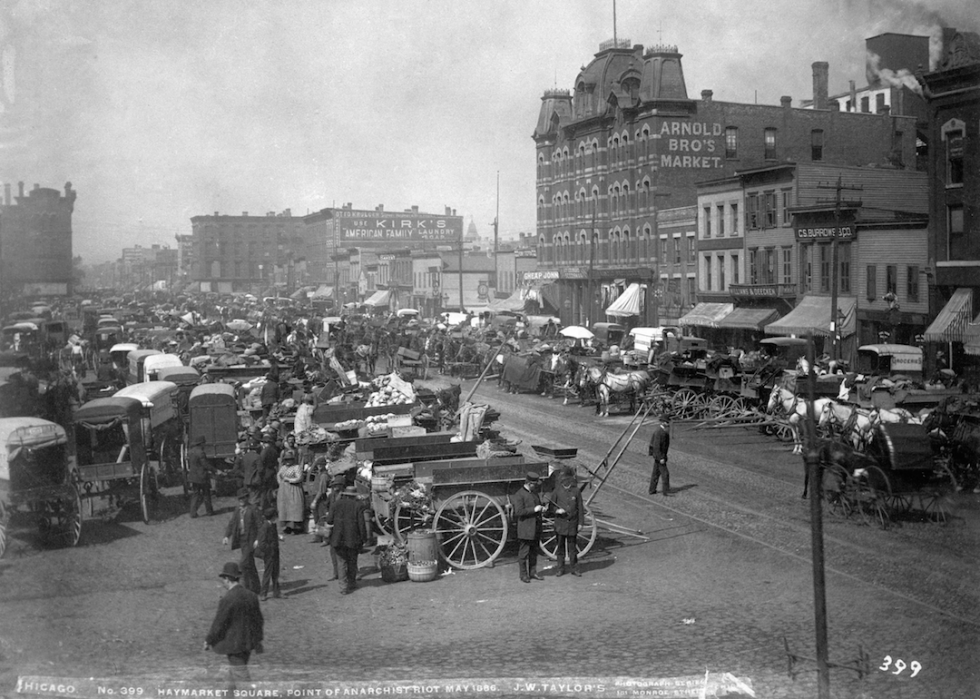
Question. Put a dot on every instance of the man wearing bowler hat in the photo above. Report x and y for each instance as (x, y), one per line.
(242, 533)
(237, 627)
(658, 448)
(527, 511)
(350, 531)
(199, 477)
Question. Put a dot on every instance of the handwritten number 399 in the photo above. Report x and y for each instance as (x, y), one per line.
(900, 666)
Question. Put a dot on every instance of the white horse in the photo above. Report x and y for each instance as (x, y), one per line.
(850, 421)
(630, 384)
(796, 409)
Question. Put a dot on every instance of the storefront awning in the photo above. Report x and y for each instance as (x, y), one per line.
(379, 298)
(706, 315)
(971, 341)
(514, 302)
(749, 318)
(951, 323)
(813, 315)
(323, 292)
(628, 303)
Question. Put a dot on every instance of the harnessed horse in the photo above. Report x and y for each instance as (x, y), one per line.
(629, 385)
(796, 410)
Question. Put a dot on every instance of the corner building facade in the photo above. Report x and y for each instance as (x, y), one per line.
(627, 144)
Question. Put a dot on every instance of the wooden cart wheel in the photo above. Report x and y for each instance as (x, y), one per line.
(148, 492)
(783, 432)
(687, 403)
(875, 495)
(472, 530)
(3, 528)
(586, 536)
(66, 514)
(405, 520)
(724, 405)
(837, 490)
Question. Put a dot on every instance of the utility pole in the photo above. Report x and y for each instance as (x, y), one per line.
(496, 237)
(591, 284)
(461, 308)
(656, 293)
(835, 330)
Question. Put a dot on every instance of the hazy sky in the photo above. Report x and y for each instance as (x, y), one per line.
(161, 110)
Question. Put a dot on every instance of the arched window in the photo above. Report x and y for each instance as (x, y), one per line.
(629, 254)
(627, 204)
(626, 151)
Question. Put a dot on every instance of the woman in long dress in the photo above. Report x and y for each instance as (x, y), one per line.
(290, 500)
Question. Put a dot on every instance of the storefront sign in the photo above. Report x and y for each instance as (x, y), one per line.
(825, 233)
(383, 225)
(691, 144)
(573, 273)
(762, 290)
(544, 275)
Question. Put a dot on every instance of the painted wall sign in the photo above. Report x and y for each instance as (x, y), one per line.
(825, 233)
(382, 225)
(691, 144)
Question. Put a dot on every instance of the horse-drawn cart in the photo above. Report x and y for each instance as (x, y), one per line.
(36, 479)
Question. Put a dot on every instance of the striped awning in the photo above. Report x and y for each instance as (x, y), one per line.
(706, 315)
(813, 315)
(379, 298)
(628, 303)
(971, 343)
(951, 323)
(749, 318)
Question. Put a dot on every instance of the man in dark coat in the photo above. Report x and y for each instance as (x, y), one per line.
(659, 445)
(237, 627)
(566, 499)
(269, 460)
(350, 531)
(269, 394)
(242, 533)
(527, 511)
(268, 550)
(250, 466)
(199, 477)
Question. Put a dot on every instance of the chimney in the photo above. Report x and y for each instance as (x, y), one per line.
(244, 213)
(706, 96)
(415, 208)
(854, 97)
(20, 190)
(447, 211)
(216, 213)
(821, 70)
(6, 195)
(786, 101)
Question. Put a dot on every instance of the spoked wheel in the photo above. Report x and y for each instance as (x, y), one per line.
(837, 490)
(406, 519)
(472, 530)
(688, 403)
(875, 496)
(586, 536)
(723, 405)
(148, 492)
(63, 518)
(783, 432)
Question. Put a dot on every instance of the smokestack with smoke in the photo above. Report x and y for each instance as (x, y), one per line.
(891, 78)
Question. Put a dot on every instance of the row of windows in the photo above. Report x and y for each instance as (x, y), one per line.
(620, 150)
(620, 201)
(892, 284)
(620, 248)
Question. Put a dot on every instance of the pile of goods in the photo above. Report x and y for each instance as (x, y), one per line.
(378, 424)
(316, 435)
(390, 390)
(348, 425)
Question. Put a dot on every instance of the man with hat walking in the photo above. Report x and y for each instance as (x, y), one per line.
(269, 466)
(350, 531)
(527, 511)
(237, 627)
(199, 477)
(250, 466)
(659, 445)
(242, 533)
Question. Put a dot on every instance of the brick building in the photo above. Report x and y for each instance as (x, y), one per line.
(36, 241)
(952, 92)
(246, 253)
(627, 142)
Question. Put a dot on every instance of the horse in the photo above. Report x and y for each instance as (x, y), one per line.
(850, 421)
(796, 408)
(630, 384)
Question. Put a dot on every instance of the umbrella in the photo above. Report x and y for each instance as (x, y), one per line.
(576, 332)
(238, 325)
(407, 312)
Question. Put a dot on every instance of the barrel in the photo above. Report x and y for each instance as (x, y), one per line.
(422, 547)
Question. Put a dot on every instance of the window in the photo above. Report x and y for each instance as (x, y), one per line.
(806, 272)
(770, 142)
(824, 252)
(691, 248)
(731, 142)
(677, 250)
(955, 214)
(880, 102)
(753, 268)
(735, 274)
(816, 144)
(865, 104)
(751, 211)
(707, 222)
(721, 272)
(844, 268)
(872, 282)
(787, 217)
(691, 290)
(770, 209)
(787, 265)
(734, 208)
(707, 272)
(721, 220)
(662, 257)
(912, 283)
(891, 279)
(769, 266)
(954, 158)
